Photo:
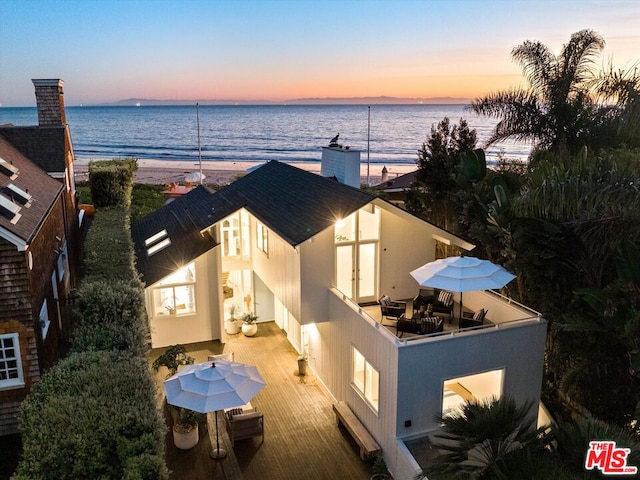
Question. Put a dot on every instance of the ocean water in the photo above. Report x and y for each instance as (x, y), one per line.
(386, 134)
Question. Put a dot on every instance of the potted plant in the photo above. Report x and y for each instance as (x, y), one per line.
(185, 430)
(233, 323)
(302, 364)
(249, 325)
(172, 358)
(380, 471)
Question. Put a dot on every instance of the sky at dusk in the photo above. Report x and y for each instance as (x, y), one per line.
(108, 50)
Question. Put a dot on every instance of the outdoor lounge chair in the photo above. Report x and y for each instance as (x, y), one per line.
(419, 325)
(390, 308)
(469, 319)
(241, 425)
(440, 300)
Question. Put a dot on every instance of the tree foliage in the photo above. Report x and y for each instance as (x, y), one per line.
(567, 104)
(480, 439)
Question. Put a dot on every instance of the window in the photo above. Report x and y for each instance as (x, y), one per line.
(157, 242)
(10, 364)
(234, 233)
(44, 319)
(366, 379)
(175, 294)
(63, 262)
(477, 387)
(263, 238)
(345, 229)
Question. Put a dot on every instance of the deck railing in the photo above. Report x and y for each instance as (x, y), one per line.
(505, 302)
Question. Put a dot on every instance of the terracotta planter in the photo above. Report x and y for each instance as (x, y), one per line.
(184, 438)
(249, 329)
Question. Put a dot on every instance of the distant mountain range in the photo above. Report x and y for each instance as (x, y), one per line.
(300, 101)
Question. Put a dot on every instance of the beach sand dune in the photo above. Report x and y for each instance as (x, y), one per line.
(161, 172)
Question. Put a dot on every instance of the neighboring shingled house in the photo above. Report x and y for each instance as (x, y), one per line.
(396, 188)
(38, 247)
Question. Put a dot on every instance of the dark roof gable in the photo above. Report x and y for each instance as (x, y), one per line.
(40, 187)
(294, 203)
(45, 146)
(178, 218)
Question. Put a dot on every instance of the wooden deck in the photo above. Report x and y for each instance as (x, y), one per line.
(301, 437)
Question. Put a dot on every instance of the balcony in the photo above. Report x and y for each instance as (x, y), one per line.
(502, 312)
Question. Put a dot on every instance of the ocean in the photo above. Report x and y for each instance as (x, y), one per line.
(385, 134)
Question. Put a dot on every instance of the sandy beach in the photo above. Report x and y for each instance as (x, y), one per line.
(222, 173)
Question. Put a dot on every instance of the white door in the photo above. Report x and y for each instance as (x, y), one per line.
(345, 272)
(356, 271)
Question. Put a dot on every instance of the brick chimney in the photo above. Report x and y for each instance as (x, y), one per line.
(50, 102)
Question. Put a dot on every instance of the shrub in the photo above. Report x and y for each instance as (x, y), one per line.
(93, 415)
(111, 181)
(108, 249)
(110, 316)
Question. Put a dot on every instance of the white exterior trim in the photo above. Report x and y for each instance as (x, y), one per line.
(13, 238)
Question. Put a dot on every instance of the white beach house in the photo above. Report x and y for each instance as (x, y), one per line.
(310, 253)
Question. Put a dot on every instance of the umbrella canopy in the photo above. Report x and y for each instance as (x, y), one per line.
(211, 386)
(194, 177)
(462, 274)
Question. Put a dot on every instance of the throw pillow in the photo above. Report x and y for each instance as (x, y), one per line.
(445, 298)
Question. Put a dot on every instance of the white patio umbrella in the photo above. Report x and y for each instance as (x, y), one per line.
(212, 386)
(194, 177)
(462, 274)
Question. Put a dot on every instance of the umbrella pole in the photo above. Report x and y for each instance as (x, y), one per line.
(218, 453)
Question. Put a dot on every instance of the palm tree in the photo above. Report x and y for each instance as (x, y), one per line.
(481, 438)
(556, 112)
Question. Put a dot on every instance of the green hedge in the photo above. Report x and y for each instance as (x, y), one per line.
(110, 316)
(108, 249)
(93, 416)
(111, 181)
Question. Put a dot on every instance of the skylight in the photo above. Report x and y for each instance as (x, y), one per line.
(17, 194)
(9, 209)
(8, 169)
(157, 242)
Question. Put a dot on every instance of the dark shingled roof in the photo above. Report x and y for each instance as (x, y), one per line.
(45, 146)
(403, 182)
(293, 203)
(178, 218)
(43, 189)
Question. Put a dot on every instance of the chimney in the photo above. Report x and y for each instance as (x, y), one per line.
(385, 175)
(50, 102)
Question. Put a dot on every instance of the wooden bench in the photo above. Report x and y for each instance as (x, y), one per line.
(368, 446)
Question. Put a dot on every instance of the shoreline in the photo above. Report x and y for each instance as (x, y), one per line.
(161, 172)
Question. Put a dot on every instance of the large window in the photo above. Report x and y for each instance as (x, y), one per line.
(175, 294)
(366, 379)
(10, 364)
(470, 388)
(234, 234)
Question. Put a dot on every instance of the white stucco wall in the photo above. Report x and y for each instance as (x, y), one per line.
(424, 365)
(202, 326)
(279, 269)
